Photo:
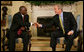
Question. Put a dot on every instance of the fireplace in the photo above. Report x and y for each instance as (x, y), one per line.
(47, 31)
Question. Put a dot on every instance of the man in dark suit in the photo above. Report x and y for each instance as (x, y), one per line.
(65, 25)
(19, 28)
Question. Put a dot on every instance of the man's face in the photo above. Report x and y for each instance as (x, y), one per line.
(24, 11)
(56, 9)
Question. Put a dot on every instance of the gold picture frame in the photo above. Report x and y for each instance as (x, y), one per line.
(6, 3)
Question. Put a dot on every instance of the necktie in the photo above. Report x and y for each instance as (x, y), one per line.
(61, 24)
(23, 18)
(19, 32)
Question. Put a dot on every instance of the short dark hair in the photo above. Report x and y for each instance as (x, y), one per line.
(21, 8)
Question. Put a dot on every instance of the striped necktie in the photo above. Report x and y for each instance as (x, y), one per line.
(61, 24)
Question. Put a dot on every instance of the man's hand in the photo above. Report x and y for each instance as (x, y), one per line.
(22, 28)
(70, 32)
(37, 25)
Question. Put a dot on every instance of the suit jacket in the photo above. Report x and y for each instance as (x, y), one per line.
(17, 22)
(69, 23)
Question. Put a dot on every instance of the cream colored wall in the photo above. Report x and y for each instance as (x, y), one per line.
(80, 12)
(15, 6)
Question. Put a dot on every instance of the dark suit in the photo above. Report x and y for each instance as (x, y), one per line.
(69, 24)
(17, 23)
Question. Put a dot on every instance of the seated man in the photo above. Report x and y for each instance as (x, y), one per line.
(65, 25)
(19, 28)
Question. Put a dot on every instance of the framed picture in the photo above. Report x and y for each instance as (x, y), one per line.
(6, 2)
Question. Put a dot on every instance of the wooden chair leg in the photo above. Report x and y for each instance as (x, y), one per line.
(3, 40)
(79, 45)
(62, 45)
(29, 47)
(3, 47)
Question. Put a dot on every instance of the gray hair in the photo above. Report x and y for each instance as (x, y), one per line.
(59, 6)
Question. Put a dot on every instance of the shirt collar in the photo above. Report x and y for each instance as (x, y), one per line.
(61, 14)
(22, 15)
